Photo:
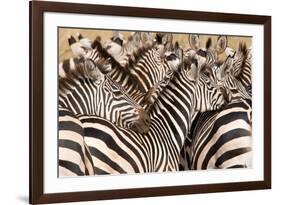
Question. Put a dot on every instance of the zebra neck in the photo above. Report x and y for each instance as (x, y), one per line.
(175, 107)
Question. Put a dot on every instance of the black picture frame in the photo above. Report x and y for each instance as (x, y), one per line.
(37, 9)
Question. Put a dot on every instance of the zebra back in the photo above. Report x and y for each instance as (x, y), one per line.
(222, 139)
(74, 156)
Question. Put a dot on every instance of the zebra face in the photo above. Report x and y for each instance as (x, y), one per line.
(80, 67)
(223, 76)
(85, 89)
(142, 123)
(93, 71)
(127, 112)
(208, 95)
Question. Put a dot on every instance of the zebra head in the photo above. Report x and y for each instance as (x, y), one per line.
(138, 40)
(210, 52)
(120, 49)
(77, 67)
(207, 95)
(164, 43)
(223, 74)
(125, 110)
(158, 76)
(242, 60)
(85, 89)
(220, 73)
(175, 57)
(114, 46)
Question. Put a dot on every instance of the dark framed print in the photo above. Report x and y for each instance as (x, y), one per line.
(135, 102)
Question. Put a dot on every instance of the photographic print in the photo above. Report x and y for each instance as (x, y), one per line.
(137, 102)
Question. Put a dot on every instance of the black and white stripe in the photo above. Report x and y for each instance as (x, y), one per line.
(82, 93)
(74, 157)
(144, 69)
(223, 139)
(225, 135)
(117, 150)
(242, 67)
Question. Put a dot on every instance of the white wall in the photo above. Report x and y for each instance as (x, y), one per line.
(14, 84)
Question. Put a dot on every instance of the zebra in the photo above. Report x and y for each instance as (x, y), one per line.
(223, 138)
(210, 53)
(242, 67)
(222, 75)
(145, 68)
(120, 49)
(84, 89)
(74, 158)
(116, 150)
(211, 56)
(86, 115)
(210, 126)
(175, 60)
(144, 58)
(241, 60)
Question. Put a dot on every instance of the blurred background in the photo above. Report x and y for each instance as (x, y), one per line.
(65, 51)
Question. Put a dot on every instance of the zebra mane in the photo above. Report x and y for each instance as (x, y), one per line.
(74, 75)
(242, 48)
(243, 51)
(208, 43)
(134, 57)
(116, 65)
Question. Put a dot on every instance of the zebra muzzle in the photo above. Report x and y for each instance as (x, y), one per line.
(142, 124)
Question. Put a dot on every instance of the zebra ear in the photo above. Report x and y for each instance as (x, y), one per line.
(116, 34)
(221, 44)
(240, 58)
(194, 41)
(147, 38)
(167, 40)
(209, 43)
(137, 38)
(158, 38)
(193, 73)
(92, 71)
(179, 52)
(226, 66)
(200, 61)
(177, 46)
(98, 39)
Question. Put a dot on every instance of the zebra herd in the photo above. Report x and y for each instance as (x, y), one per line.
(144, 104)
